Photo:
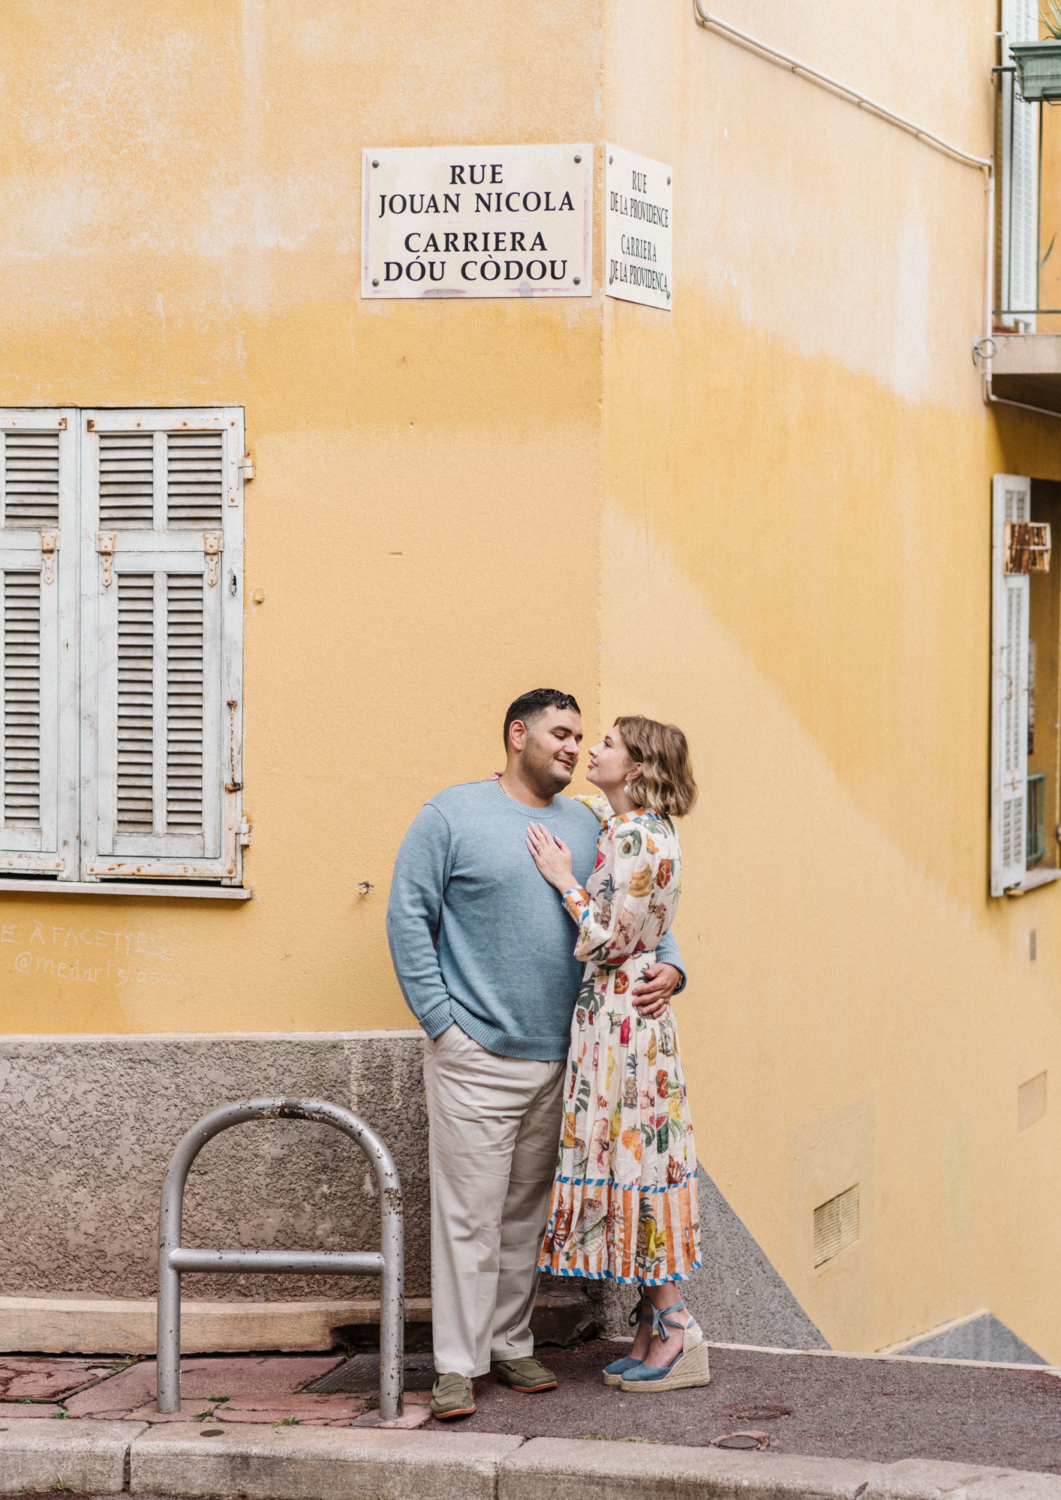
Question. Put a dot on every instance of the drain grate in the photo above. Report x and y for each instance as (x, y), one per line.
(361, 1373)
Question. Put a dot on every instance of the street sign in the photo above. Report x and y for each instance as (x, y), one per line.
(637, 237)
(477, 221)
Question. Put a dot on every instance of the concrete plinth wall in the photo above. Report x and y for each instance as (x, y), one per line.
(87, 1128)
(88, 1125)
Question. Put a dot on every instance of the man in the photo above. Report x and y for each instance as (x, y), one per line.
(483, 950)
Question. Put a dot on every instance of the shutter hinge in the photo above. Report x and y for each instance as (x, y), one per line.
(246, 466)
(233, 785)
(105, 547)
(49, 547)
(244, 834)
(213, 545)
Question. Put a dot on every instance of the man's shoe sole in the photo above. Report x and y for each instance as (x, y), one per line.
(528, 1390)
(444, 1416)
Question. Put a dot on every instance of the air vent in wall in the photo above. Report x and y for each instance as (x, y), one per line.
(835, 1225)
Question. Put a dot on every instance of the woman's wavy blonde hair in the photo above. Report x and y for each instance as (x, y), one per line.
(666, 783)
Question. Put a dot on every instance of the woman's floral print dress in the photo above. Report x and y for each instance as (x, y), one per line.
(624, 1202)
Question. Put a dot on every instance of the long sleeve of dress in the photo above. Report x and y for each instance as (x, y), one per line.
(618, 920)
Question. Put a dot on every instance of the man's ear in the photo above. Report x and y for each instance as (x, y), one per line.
(517, 735)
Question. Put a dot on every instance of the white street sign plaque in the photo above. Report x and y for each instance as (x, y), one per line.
(637, 238)
(477, 221)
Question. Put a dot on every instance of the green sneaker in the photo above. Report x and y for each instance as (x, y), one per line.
(524, 1375)
(452, 1396)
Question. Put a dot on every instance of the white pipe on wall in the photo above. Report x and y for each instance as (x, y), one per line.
(742, 38)
(982, 163)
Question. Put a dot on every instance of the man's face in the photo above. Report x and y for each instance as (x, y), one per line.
(550, 750)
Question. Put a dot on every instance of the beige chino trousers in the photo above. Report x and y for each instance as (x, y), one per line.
(495, 1132)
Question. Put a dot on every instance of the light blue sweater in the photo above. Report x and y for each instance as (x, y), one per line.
(476, 935)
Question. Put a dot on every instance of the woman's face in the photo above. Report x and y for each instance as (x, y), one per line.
(609, 763)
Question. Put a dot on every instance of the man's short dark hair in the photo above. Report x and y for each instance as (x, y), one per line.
(532, 705)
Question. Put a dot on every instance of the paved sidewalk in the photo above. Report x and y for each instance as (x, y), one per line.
(816, 1404)
(307, 1427)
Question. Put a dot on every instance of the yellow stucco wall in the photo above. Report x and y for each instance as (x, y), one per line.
(796, 565)
(764, 515)
(182, 218)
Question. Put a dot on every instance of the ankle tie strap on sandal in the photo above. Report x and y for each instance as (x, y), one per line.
(640, 1314)
(661, 1323)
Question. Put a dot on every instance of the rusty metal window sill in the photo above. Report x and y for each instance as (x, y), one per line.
(1033, 880)
(128, 888)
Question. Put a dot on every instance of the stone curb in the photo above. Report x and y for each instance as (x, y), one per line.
(89, 1457)
(323, 1463)
(566, 1469)
(288, 1463)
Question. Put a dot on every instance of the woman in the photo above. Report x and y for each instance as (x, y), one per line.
(624, 1203)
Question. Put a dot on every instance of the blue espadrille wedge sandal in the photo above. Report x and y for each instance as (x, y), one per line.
(689, 1369)
(614, 1372)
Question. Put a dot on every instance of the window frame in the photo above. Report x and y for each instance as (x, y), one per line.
(165, 863)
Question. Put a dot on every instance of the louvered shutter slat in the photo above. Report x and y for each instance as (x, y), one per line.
(22, 699)
(1011, 501)
(1020, 170)
(166, 669)
(31, 480)
(38, 659)
(195, 480)
(136, 593)
(126, 480)
(184, 719)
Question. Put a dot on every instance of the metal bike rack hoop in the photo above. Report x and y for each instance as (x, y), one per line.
(388, 1263)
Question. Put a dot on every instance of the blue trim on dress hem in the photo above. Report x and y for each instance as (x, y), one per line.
(624, 1187)
(626, 1280)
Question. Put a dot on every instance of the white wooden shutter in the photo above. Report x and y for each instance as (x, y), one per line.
(38, 643)
(1011, 501)
(1020, 170)
(162, 627)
